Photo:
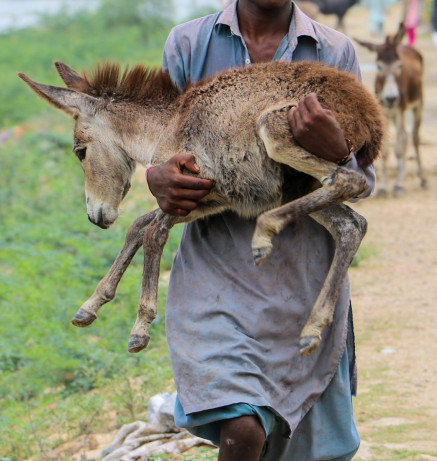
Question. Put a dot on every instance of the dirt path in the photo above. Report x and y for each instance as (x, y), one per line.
(394, 294)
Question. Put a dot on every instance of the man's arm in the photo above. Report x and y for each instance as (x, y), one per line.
(176, 193)
(309, 117)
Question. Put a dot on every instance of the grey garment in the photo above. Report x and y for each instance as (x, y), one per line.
(233, 328)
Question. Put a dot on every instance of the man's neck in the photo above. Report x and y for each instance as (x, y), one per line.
(257, 23)
(263, 28)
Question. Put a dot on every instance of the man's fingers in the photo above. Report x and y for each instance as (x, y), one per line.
(310, 103)
(190, 182)
(188, 161)
(293, 118)
(189, 194)
(178, 208)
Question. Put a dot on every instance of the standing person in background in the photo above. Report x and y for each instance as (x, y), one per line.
(434, 24)
(233, 328)
(413, 13)
(377, 11)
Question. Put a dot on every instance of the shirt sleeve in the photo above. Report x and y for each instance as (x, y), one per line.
(370, 175)
(173, 62)
(351, 65)
(350, 60)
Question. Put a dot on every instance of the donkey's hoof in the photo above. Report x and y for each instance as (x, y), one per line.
(83, 318)
(308, 344)
(424, 184)
(261, 254)
(398, 191)
(137, 343)
(382, 193)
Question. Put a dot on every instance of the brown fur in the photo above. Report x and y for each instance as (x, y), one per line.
(235, 124)
(399, 88)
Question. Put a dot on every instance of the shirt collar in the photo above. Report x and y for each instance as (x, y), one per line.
(300, 24)
(229, 18)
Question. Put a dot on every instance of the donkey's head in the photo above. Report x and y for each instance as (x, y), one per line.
(388, 81)
(107, 168)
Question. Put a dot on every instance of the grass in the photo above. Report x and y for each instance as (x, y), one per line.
(51, 259)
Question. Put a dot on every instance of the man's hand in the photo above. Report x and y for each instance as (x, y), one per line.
(317, 130)
(178, 194)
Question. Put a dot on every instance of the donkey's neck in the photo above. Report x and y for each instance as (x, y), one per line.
(139, 135)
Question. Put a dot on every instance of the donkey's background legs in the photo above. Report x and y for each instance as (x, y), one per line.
(401, 154)
(417, 121)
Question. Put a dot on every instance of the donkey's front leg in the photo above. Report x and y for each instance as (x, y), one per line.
(347, 228)
(105, 290)
(155, 237)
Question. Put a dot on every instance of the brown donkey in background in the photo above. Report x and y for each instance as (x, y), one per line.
(236, 126)
(398, 86)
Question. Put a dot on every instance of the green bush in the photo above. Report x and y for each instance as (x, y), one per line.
(51, 259)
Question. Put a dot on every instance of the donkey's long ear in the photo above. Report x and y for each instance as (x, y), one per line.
(397, 39)
(70, 101)
(368, 45)
(70, 77)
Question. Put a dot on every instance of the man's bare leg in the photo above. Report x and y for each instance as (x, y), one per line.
(241, 439)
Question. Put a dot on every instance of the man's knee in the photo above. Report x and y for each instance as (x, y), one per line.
(243, 434)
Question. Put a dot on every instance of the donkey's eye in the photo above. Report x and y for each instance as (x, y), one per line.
(80, 152)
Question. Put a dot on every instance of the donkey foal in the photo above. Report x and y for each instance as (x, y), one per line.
(235, 125)
(399, 88)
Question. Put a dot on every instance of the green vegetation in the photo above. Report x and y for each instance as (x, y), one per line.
(51, 258)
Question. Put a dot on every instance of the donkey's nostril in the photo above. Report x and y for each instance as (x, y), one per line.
(100, 223)
(98, 220)
(390, 101)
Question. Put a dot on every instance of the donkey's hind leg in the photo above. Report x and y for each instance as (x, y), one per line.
(105, 290)
(154, 240)
(417, 121)
(347, 228)
(337, 183)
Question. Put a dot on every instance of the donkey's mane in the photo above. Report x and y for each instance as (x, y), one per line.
(139, 84)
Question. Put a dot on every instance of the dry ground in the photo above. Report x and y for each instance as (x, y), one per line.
(394, 293)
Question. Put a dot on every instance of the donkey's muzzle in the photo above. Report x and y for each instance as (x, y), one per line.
(102, 224)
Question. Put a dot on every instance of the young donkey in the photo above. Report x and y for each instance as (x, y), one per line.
(398, 86)
(236, 126)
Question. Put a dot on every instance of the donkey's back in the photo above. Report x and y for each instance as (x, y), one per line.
(228, 105)
(219, 121)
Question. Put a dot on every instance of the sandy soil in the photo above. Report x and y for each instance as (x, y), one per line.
(394, 293)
